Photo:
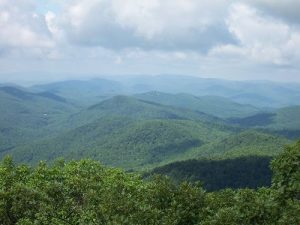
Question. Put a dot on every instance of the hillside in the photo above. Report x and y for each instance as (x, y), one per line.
(138, 109)
(26, 116)
(242, 172)
(285, 121)
(249, 142)
(124, 142)
(213, 105)
(82, 92)
(139, 144)
(28, 109)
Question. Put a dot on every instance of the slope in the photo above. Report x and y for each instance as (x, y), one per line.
(249, 142)
(284, 121)
(138, 109)
(242, 172)
(213, 105)
(124, 142)
(83, 92)
(26, 115)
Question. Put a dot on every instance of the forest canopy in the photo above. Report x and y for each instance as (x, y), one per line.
(85, 192)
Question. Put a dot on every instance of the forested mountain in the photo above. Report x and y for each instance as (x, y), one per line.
(133, 132)
(142, 131)
(285, 121)
(26, 116)
(124, 142)
(249, 142)
(26, 109)
(140, 109)
(213, 105)
(83, 92)
(241, 172)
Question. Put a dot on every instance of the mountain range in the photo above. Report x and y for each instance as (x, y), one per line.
(149, 123)
(264, 94)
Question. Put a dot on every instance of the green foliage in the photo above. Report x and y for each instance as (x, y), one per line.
(84, 192)
(249, 142)
(286, 169)
(250, 172)
(124, 142)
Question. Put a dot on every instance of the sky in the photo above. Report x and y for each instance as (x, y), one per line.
(49, 40)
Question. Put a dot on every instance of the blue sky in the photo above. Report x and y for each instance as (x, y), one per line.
(44, 6)
(47, 40)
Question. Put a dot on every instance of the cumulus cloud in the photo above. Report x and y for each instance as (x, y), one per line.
(287, 10)
(22, 29)
(261, 38)
(151, 35)
(148, 24)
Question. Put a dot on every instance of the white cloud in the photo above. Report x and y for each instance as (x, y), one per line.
(287, 10)
(154, 18)
(261, 38)
(149, 24)
(22, 29)
(151, 36)
(232, 51)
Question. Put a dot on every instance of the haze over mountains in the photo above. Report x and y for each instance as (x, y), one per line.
(256, 93)
(142, 123)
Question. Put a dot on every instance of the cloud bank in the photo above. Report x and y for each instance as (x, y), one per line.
(212, 38)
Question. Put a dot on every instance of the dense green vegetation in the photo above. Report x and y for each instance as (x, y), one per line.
(140, 109)
(284, 121)
(85, 192)
(124, 142)
(284, 118)
(242, 172)
(26, 116)
(245, 143)
(28, 110)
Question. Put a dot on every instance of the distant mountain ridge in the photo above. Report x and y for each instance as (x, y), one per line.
(24, 95)
(213, 105)
(26, 115)
(282, 121)
(260, 94)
